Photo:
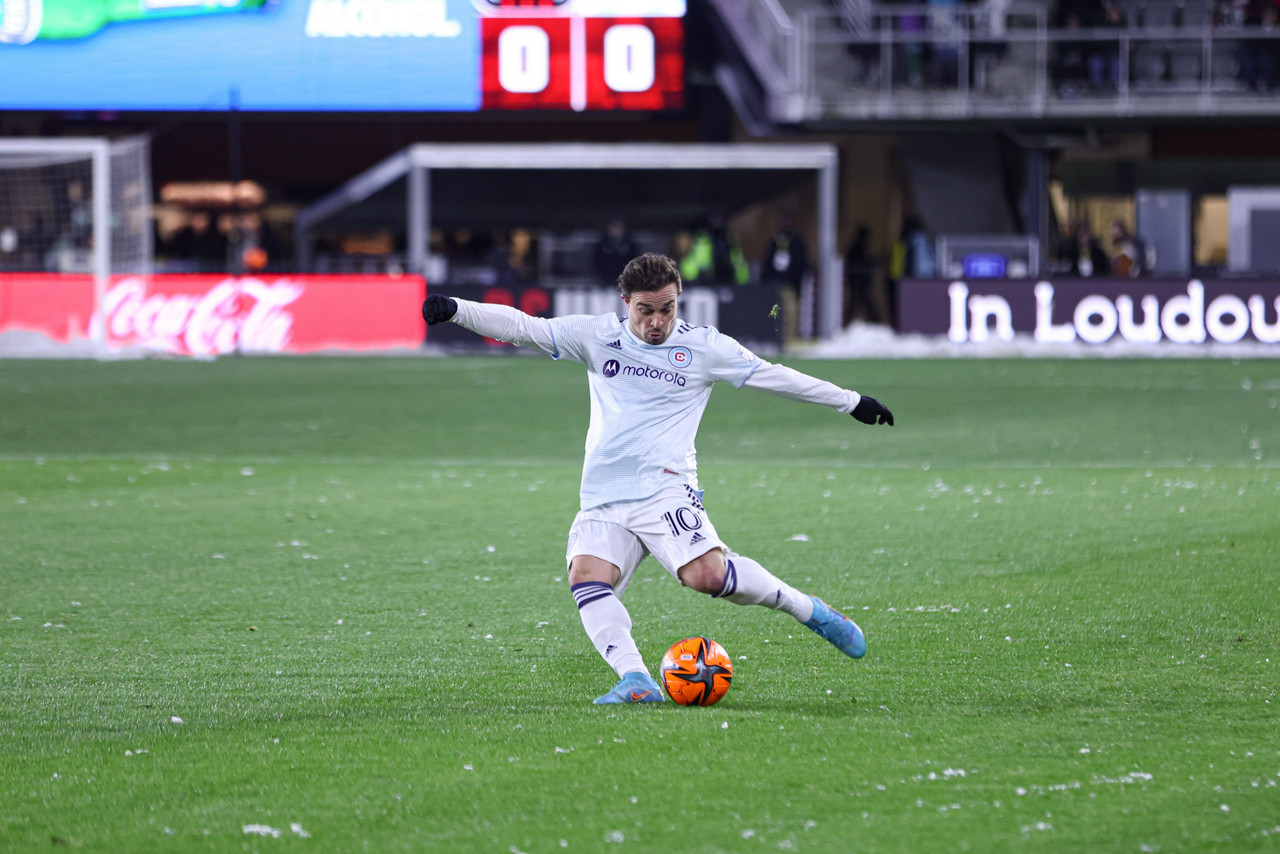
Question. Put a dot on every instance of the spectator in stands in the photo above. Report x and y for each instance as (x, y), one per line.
(787, 259)
(913, 52)
(1131, 252)
(715, 256)
(695, 260)
(912, 255)
(74, 242)
(1229, 14)
(464, 247)
(1071, 68)
(1095, 63)
(945, 25)
(202, 245)
(1081, 253)
(515, 263)
(181, 243)
(989, 46)
(1257, 56)
(681, 246)
(858, 270)
(784, 265)
(80, 217)
(1104, 56)
(613, 251)
(858, 23)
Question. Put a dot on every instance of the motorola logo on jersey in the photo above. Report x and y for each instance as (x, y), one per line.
(654, 374)
(680, 357)
(611, 369)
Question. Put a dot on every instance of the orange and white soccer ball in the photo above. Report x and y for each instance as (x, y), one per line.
(696, 672)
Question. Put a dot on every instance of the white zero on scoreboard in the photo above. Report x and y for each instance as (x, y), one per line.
(628, 58)
(524, 59)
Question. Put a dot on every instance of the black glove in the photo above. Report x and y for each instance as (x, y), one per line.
(871, 411)
(438, 309)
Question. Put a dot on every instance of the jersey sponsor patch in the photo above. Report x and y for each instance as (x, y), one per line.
(612, 369)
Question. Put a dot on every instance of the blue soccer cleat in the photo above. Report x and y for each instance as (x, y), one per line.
(635, 687)
(836, 629)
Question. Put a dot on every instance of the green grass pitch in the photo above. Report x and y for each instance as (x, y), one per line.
(326, 598)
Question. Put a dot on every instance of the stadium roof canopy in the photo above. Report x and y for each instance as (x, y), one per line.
(580, 185)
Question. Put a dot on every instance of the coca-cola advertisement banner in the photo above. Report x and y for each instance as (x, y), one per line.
(197, 315)
(209, 315)
(746, 312)
(1092, 311)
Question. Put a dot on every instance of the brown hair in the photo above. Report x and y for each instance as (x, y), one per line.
(649, 272)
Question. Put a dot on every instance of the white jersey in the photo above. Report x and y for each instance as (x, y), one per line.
(646, 400)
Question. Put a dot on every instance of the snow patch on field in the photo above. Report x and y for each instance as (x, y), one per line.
(274, 832)
(262, 830)
(869, 341)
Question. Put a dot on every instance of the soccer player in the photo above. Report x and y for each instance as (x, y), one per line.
(650, 376)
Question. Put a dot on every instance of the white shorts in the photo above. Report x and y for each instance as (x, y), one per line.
(671, 525)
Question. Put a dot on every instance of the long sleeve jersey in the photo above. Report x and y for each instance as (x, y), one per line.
(646, 400)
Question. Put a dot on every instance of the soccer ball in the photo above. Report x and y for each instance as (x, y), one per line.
(696, 672)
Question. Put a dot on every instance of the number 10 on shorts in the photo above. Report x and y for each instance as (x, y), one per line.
(682, 520)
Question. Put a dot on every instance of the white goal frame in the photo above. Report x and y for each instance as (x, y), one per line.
(14, 152)
(415, 164)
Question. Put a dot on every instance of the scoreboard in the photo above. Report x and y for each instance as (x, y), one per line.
(583, 56)
(349, 55)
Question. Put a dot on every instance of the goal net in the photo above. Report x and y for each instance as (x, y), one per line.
(76, 206)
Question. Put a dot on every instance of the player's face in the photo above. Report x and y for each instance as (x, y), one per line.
(651, 315)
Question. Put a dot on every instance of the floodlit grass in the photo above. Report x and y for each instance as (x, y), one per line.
(327, 597)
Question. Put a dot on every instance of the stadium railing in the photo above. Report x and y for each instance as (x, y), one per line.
(865, 61)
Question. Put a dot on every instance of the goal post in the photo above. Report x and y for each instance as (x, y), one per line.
(78, 206)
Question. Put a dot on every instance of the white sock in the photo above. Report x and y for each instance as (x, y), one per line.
(608, 625)
(748, 583)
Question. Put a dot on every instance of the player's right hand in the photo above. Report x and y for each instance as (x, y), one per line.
(871, 411)
(438, 309)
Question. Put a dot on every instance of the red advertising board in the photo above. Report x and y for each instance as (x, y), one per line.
(58, 307)
(199, 315)
(743, 311)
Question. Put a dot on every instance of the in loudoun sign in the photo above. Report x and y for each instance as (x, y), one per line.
(1093, 311)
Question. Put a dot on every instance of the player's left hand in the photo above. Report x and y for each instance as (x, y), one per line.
(871, 411)
(438, 308)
